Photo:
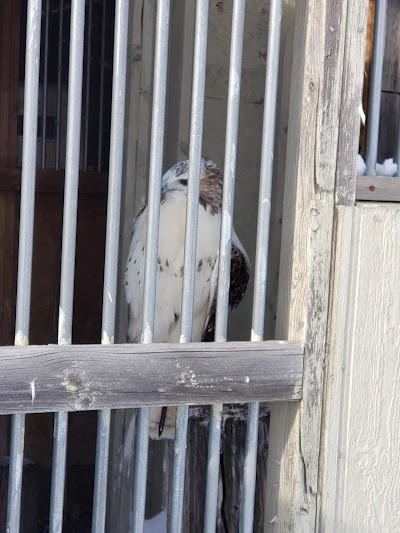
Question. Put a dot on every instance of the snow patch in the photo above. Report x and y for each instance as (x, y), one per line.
(386, 169)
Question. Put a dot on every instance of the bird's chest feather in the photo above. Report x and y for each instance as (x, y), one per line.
(170, 268)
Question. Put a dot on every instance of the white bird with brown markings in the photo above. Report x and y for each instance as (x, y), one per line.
(170, 267)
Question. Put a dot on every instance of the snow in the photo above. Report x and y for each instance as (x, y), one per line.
(387, 168)
(157, 524)
(361, 166)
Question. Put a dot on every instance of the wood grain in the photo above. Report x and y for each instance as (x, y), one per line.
(378, 189)
(329, 37)
(86, 377)
(361, 485)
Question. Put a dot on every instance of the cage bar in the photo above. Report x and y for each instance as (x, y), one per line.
(261, 263)
(59, 73)
(87, 84)
(68, 247)
(154, 196)
(31, 96)
(44, 92)
(111, 254)
(378, 51)
(196, 134)
(101, 111)
(235, 68)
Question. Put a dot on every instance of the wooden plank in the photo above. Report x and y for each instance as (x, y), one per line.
(351, 95)
(378, 189)
(52, 181)
(320, 76)
(86, 377)
(362, 427)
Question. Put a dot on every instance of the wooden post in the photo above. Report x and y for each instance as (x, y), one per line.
(326, 86)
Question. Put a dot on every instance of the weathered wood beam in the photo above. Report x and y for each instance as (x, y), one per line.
(378, 189)
(325, 95)
(84, 377)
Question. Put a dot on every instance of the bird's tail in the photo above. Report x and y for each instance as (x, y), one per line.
(162, 423)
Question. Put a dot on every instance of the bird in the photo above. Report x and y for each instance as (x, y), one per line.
(170, 268)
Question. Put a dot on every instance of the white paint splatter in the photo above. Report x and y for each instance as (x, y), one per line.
(255, 337)
(33, 389)
(233, 159)
(247, 379)
(61, 329)
(21, 339)
(105, 339)
(182, 338)
(146, 335)
(274, 520)
(235, 84)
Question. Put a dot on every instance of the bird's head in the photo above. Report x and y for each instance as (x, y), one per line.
(176, 179)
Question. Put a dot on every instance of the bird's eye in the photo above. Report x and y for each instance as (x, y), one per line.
(183, 182)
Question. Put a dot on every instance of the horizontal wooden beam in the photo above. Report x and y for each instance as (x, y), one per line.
(378, 189)
(52, 181)
(85, 377)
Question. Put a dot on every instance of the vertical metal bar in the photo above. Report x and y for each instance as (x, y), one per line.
(59, 73)
(378, 50)
(44, 92)
(29, 147)
(87, 84)
(111, 254)
(196, 134)
(68, 246)
(58, 471)
(235, 67)
(213, 460)
(101, 111)
(261, 263)
(155, 174)
(140, 471)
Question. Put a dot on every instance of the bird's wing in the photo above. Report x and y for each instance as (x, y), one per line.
(239, 279)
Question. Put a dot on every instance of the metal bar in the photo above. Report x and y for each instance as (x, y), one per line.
(59, 73)
(58, 471)
(44, 93)
(87, 84)
(101, 111)
(140, 471)
(213, 460)
(111, 253)
(196, 134)
(375, 87)
(235, 67)
(29, 147)
(261, 263)
(154, 196)
(101, 472)
(71, 171)
(68, 245)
